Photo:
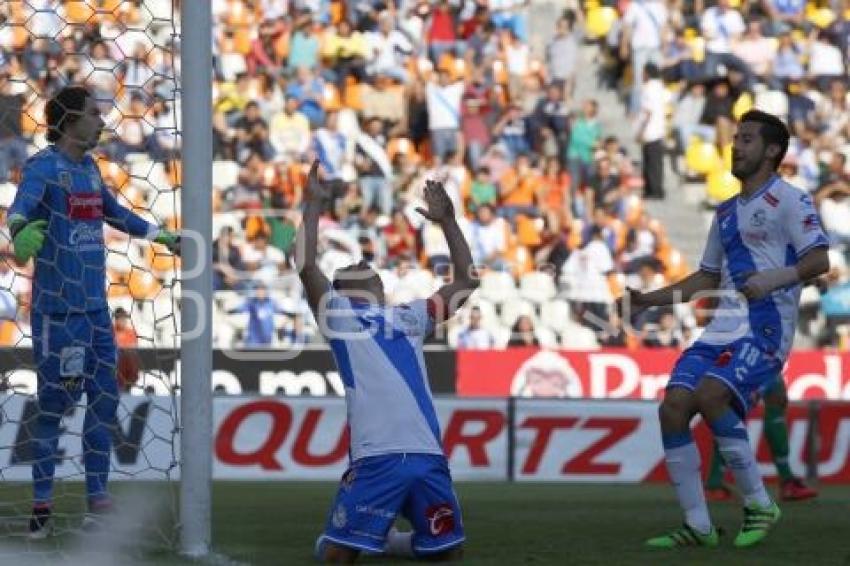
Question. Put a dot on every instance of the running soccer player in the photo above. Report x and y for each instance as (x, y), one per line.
(791, 488)
(57, 219)
(761, 245)
(397, 461)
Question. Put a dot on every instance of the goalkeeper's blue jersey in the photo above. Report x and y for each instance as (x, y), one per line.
(70, 272)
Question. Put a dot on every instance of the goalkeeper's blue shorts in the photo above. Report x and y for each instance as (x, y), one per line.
(73, 352)
(375, 490)
(744, 366)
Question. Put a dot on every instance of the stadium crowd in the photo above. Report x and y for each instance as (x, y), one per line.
(386, 96)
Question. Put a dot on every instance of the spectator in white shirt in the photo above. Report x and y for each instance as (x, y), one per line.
(643, 26)
(585, 274)
(651, 131)
(825, 61)
(387, 48)
(443, 99)
(488, 238)
(474, 337)
(722, 26)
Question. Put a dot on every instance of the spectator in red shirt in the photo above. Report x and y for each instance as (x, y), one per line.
(400, 237)
(441, 32)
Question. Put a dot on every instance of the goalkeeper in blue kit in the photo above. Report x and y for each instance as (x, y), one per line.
(57, 220)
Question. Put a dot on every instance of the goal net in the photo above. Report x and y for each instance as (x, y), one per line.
(126, 53)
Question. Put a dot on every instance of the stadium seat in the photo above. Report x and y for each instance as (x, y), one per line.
(232, 64)
(721, 185)
(225, 174)
(701, 156)
(537, 287)
(546, 337)
(555, 314)
(502, 335)
(497, 286)
(511, 310)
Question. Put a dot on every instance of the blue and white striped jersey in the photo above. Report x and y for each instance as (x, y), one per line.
(378, 350)
(772, 229)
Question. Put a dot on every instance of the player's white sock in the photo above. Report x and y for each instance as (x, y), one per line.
(399, 543)
(683, 465)
(731, 435)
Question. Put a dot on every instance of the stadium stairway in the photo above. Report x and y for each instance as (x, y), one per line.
(682, 210)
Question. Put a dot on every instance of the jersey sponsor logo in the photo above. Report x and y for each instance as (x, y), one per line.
(756, 237)
(86, 237)
(441, 519)
(72, 360)
(85, 206)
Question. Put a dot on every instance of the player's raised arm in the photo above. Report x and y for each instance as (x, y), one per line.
(129, 222)
(307, 243)
(707, 278)
(451, 296)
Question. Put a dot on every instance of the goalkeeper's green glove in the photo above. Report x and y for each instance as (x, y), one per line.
(170, 240)
(29, 240)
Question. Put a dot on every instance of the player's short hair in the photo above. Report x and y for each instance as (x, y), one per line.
(355, 271)
(65, 108)
(773, 131)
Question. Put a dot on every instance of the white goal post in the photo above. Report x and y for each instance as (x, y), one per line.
(196, 306)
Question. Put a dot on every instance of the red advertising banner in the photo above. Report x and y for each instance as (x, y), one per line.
(623, 374)
(278, 438)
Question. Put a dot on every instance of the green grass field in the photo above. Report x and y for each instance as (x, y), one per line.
(277, 523)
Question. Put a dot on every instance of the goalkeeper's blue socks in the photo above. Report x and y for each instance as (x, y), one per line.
(44, 446)
(683, 465)
(97, 436)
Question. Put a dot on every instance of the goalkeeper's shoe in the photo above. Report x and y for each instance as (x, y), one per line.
(685, 536)
(795, 489)
(41, 523)
(757, 522)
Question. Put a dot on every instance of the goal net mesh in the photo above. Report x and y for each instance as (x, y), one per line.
(126, 53)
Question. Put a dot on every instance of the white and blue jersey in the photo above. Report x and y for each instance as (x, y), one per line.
(746, 342)
(379, 353)
(398, 466)
(70, 268)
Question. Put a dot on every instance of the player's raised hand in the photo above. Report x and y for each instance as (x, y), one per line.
(170, 240)
(317, 191)
(440, 207)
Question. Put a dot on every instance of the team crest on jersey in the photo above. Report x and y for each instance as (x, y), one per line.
(758, 218)
(65, 180)
(94, 181)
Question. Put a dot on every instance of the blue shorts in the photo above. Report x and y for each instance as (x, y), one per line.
(744, 366)
(375, 490)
